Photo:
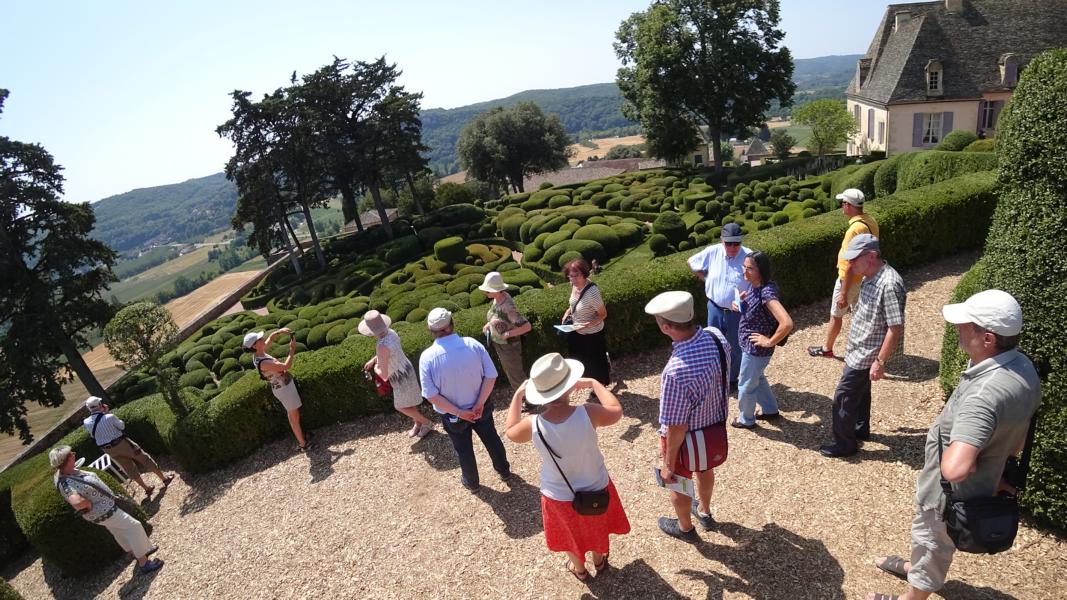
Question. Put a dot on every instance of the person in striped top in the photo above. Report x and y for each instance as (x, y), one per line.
(109, 433)
(694, 389)
(587, 313)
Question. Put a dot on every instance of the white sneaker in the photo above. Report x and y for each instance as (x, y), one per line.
(424, 429)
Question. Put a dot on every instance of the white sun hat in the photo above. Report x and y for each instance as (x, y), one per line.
(551, 376)
(494, 282)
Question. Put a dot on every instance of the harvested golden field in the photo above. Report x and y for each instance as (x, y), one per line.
(602, 146)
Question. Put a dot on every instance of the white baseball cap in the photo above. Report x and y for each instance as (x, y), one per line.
(992, 310)
(852, 196)
(676, 307)
(251, 338)
(438, 319)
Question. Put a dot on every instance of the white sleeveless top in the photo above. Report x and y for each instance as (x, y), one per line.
(576, 441)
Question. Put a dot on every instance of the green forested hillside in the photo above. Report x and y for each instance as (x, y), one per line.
(179, 212)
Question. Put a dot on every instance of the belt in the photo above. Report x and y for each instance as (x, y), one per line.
(112, 443)
(106, 515)
(724, 309)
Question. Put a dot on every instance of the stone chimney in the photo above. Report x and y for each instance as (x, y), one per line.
(954, 6)
(863, 67)
(901, 19)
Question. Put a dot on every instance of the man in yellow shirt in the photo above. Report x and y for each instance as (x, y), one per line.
(847, 287)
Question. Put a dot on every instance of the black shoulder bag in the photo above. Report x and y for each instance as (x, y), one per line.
(584, 503)
(980, 525)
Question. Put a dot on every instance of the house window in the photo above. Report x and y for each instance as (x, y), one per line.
(934, 78)
(881, 132)
(856, 114)
(698, 159)
(931, 128)
(987, 114)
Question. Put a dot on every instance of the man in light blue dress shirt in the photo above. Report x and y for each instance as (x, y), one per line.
(457, 377)
(721, 268)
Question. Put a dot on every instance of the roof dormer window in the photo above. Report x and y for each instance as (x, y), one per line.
(935, 84)
(1009, 69)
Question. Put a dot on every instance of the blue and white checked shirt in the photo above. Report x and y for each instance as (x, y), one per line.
(880, 306)
(110, 428)
(691, 387)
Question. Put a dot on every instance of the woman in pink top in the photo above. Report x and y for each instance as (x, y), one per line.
(566, 440)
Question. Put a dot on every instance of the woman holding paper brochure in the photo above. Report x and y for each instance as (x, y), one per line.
(572, 467)
(586, 314)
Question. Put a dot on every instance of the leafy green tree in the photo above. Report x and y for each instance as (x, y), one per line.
(671, 137)
(782, 143)
(450, 193)
(625, 151)
(711, 63)
(726, 151)
(51, 291)
(830, 124)
(505, 145)
(138, 336)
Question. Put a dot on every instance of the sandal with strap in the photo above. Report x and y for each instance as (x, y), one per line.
(818, 351)
(894, 565)
(579, 575)
(602, 565)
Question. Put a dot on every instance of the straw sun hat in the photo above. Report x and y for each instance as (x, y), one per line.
(374, 323)
(551, 376)
(494, 282)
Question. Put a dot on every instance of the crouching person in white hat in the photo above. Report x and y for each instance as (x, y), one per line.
(91, 497)
(277, 374)
(571, 462)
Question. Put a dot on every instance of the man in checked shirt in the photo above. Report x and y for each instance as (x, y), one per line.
(877, 329)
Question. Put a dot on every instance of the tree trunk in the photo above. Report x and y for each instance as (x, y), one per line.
(314, 236)
(293, 260)
(292, 232)
(716, 147)
(349, 207)
(414, 196)
(376, 194)
(77, 363)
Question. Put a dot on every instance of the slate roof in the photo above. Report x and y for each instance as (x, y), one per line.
(968, 44)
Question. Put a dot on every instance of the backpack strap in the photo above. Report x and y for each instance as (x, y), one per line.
(95, 423)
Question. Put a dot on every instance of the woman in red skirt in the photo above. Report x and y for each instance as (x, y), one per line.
(566, 440)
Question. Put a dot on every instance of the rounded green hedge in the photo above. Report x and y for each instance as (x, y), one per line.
(451, 250)
(589, 249)
(601, 234)
(671, 226)
(957, 140)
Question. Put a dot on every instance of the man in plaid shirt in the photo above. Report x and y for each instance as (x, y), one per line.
(877, 329)
(692, 409)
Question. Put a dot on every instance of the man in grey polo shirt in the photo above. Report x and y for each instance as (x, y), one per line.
(877, 329)
(982, 425)
(457, 377)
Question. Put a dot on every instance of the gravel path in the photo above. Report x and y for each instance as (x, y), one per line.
(371, 514)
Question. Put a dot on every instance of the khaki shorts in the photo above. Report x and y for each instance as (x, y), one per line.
(853, 296)
(131, 457)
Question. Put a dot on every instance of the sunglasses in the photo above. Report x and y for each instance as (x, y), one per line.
(732, 244)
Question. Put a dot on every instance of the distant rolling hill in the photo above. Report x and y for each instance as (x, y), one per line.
(179, 212)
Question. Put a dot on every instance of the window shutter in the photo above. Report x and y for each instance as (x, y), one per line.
(946, 124)
(917, 130)
(870, 123)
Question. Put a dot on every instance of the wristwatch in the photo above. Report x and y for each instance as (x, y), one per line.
(879, 361)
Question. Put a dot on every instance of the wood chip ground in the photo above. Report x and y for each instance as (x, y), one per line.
(372, 514)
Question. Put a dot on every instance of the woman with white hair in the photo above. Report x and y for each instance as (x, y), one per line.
(580, 507)
(91, 498)
(391, 364)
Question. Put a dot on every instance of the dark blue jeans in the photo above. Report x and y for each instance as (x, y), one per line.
(463, 441)
(852, 407)
(727, 321)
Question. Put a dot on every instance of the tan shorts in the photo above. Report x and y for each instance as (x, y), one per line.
(853, 296)
(131, 458)
(288, 396)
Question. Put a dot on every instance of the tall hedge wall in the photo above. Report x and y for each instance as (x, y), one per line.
(1026, 256)
(918, 169)
(7, 592)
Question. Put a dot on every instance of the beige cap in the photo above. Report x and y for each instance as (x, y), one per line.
(374, 323)
(551, 376)
(992, 310)
(676, 307)
(494, 282)
(438, 319)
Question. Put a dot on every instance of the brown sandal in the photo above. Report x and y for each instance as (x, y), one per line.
(894, 565)
(602, 566)
(579, 575)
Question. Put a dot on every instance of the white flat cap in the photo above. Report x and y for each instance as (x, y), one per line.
(438, 319)
(673, 306)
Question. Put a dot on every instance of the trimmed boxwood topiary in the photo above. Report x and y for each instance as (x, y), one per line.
(987, 145)
(957, 140)
(671, 226)
(601, 234)
(589, 249)
(924, 168)
(196, 379)
(451, 250)
(659, 244)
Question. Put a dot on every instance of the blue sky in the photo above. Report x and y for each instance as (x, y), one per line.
(128, 94)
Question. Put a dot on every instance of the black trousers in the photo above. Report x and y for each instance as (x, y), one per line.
(852, 407)
(592, 351)
(461, 435)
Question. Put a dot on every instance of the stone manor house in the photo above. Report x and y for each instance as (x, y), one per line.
(934, 67)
